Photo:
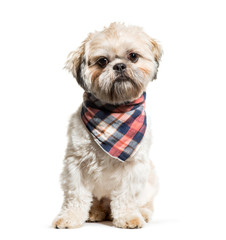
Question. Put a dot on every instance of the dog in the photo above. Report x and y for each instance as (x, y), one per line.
(107, 172)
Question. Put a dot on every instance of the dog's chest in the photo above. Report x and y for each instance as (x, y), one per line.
(104, 175)
(101, 173)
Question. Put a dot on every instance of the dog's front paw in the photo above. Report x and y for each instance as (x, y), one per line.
(67, 220)
(129, 221)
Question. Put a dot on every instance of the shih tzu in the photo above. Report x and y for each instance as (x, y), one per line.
(107, 172)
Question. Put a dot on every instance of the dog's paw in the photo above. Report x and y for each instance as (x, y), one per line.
(129, 221)
(146, 214)
(67, 220)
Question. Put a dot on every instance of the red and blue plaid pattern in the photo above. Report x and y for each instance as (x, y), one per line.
(118, 129)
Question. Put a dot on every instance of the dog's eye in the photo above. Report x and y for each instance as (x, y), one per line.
(133, 57)
(102, 62)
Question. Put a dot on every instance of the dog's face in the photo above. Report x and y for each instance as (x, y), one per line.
(116, 64)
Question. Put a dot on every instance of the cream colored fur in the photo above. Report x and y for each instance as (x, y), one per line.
(89, 172)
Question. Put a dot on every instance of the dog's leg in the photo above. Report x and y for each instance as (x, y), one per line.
(132, 201)
(77, 198)
(130, 195)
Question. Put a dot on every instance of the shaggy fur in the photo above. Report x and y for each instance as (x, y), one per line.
(96, 186)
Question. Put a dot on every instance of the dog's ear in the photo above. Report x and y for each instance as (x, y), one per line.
(157, 51)
(76, 61)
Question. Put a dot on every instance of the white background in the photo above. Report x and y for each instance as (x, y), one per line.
(187, 107)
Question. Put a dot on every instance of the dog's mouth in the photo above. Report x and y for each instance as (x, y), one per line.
(123, 78)
(124, 88)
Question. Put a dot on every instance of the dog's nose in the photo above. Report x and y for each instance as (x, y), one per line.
(119, 67)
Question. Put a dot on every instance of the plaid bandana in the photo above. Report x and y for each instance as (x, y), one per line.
(117, 129)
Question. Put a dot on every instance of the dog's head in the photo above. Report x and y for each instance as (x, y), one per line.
(115, 64)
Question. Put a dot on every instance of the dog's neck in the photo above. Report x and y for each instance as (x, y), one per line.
(90, 100)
